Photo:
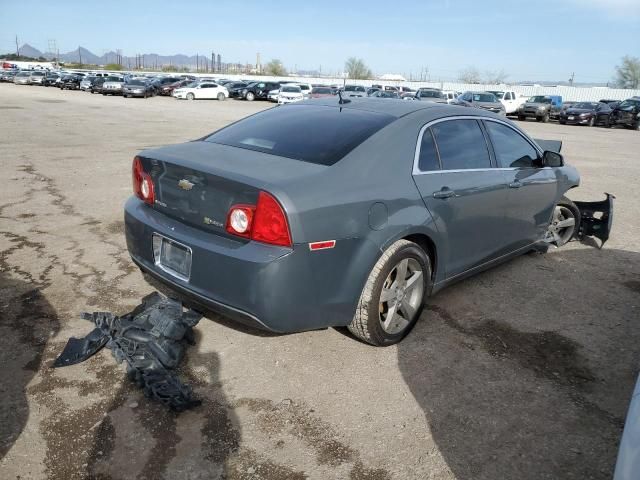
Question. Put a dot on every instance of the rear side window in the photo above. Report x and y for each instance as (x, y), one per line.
(316, 134)
(428, 160)
(511, 149)
(461, 145)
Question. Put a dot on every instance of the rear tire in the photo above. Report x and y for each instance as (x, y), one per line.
(403, 298)
(190, 96)
(221, 97)
(250, 96)
(592, 121)
(522, 118)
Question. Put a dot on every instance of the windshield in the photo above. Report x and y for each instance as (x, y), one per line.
(113, 79)
(325, 91)
(497, 94)
(353, 88)
(585, 105)
(310, 133)
(38, 74)
(540, 99)
(291, 89)
(140, 83)
(23, 74)
(484, 97)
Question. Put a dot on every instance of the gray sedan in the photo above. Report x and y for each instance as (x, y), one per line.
(484, 100)
(338, 212)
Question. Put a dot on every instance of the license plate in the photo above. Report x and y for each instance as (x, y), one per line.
(172, 257)
(570, 118)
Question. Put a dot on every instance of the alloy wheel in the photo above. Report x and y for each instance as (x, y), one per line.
(401, 296)
(562, 226)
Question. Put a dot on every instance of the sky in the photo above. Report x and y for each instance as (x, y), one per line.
(527, 39)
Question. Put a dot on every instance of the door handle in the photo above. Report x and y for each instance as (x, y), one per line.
(515, 184)
(444, 193)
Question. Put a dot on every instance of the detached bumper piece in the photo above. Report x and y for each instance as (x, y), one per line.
(151, 340)
(596, 218)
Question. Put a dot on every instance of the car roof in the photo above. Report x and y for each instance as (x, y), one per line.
(397, 109)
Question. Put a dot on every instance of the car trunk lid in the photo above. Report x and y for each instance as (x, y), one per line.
(198, 182)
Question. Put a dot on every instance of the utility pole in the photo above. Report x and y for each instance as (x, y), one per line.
(213, 62)
(197, 62)
(219, 64)
(571, 79)
(17, 47)
(80, 55)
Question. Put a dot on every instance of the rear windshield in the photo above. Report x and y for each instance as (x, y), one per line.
(321, 90)
(316, 134)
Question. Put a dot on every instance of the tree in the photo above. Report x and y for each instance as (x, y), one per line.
(628, 74)
(113, 66)
(469, 75)
(170, 68)
(357, 69)
(495, 77)
(275, 68)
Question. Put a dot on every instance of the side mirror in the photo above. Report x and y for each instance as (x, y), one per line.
(552, 159)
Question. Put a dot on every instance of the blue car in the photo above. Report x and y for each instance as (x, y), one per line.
(347, 212)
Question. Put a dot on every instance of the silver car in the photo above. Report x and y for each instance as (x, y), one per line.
(36, 78)
(22, 78)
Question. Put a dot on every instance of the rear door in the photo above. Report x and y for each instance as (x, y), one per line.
(532, 189)
(465, 194)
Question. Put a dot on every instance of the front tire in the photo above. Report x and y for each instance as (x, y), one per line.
(393, 297)
(221, 97)
(190, 96)
(250, 97)
(592, 121)
(565, 223)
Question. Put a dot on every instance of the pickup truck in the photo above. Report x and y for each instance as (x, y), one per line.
(510, 99)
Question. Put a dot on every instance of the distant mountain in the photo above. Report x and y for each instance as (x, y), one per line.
(148, 60)
(27, 50)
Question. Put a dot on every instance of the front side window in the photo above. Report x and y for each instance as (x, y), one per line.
(511, 149)
(461, 145)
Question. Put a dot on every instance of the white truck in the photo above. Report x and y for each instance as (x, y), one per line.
(510, 99)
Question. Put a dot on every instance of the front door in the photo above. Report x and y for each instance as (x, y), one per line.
(532, 189)
(464, 193)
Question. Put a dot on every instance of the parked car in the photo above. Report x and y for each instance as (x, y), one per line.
(450, 95)
(626, 113)
(257, 90)
(85, 83)
(484, 100)
(70, 82)
(36, 77)
(586, 113)
(609, 101)
(354, 91)
(167, 90)
(430, 95)
(290, 94)
(8, 76)
(510, 99)
(236, 90)
(305, 88)
(96, 85)
(22, 78)
(290, 245)
(138, 88)
(112, 86)
(272, 96)
(321, 92)
(204, 90)
(541, 107)
(51, 79)
(385, 94)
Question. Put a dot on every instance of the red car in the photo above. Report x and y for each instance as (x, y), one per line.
(168, 89)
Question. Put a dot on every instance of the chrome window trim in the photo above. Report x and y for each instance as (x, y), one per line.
(416, 156)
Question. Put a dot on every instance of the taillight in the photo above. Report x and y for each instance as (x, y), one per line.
(142, 183)
(265, 222)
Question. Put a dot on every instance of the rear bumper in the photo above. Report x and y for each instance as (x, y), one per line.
(275, 288)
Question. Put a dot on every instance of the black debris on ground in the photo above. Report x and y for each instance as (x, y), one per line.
(151, 340)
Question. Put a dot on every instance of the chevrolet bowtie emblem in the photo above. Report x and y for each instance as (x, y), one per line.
(185, 184)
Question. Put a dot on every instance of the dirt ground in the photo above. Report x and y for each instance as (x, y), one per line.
(522, 372)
